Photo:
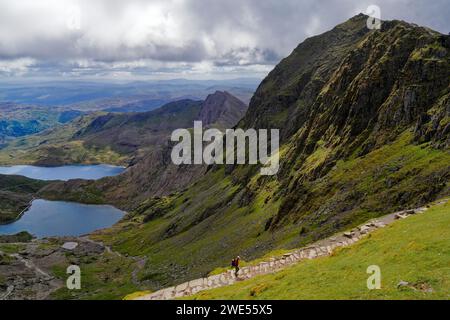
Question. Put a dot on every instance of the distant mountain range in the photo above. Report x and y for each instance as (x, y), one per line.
(126, 135)
(102, 95)
(28, 108)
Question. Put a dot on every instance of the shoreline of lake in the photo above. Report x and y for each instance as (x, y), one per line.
(104, 216)
(65, 172)
(17, 218)
(58, 173)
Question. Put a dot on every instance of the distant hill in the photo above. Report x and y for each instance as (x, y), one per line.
(102, 95)
(418, 272)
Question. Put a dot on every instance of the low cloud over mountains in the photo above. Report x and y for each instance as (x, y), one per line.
(174, 38)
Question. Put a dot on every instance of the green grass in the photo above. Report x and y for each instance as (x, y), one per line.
(11, 248)
(415, 250)
(137, 294)
(395, 176)
(5, 260)
(107, 277)
(212, 224)
(207, 235)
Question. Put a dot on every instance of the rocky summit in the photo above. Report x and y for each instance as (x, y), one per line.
(222, 109)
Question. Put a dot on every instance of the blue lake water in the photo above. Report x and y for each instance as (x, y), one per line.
(92, 172)
(59, 218)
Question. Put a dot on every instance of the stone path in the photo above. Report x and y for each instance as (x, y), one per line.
(30, 265)
(40, 275)
(140, 262)
(101, 244)
(319, 249)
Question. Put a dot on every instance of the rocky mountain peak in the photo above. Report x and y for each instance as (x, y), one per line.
(222, 108)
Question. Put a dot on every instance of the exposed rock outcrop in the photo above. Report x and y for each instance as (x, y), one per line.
(223, 109)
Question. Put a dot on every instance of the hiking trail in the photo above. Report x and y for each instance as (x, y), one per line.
(319, 249)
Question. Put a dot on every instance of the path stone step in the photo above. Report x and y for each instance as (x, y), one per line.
(278, 263)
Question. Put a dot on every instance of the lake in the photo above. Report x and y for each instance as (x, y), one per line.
(92, 172)
(59, 218)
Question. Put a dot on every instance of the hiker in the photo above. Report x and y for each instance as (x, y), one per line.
(235, 264)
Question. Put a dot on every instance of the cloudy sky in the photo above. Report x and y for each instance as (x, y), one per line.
(164, 39)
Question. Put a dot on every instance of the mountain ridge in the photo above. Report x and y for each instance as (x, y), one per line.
(147, 137)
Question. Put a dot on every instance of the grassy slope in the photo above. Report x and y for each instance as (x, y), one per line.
(15, 194)
(211, 225)
(415, 250)
(106, 277)
(361, 188)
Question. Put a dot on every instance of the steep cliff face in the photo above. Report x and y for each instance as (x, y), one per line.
(350, 81)
(391, 80)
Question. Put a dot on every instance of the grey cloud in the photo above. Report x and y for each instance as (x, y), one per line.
(177, 35)
(247, 56)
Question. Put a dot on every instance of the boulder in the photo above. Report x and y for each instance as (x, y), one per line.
(69, 245)
(348, 234)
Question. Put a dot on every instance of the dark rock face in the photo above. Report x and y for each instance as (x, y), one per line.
(127, 133)
(353, 90)
(223, 109)
(285, 98)
(352, 80)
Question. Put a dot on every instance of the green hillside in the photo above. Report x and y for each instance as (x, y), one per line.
(56, 146)
(415, 251)
(16, 192)
(213, 220)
